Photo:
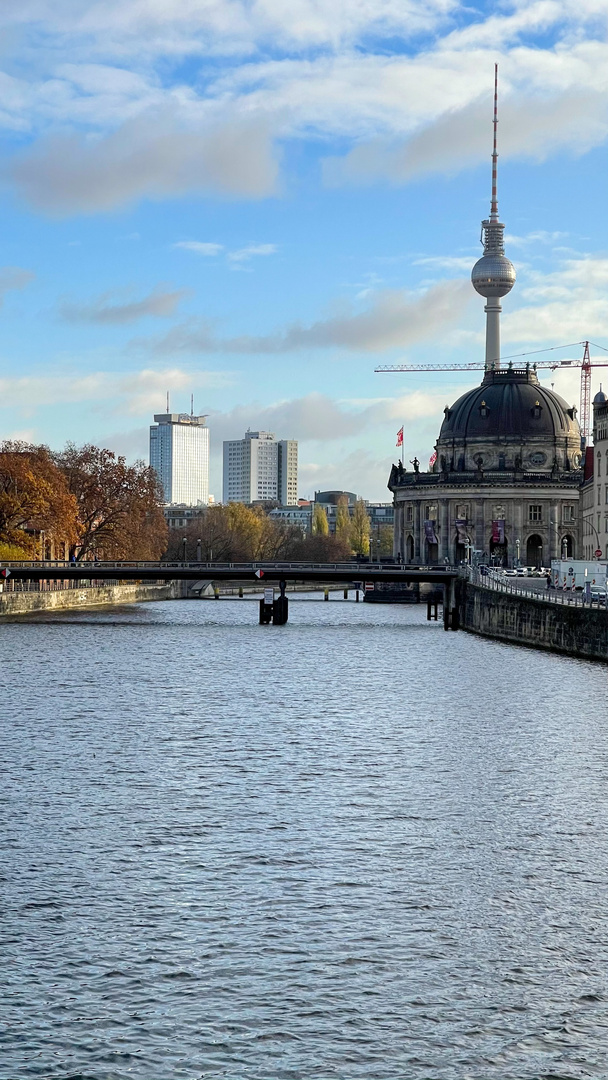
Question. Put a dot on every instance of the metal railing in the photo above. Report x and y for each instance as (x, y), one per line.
(497, 583)
(359, 568)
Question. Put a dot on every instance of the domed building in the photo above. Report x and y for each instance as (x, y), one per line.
(506, 477)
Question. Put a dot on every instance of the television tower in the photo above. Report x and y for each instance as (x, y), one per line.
(493, 275)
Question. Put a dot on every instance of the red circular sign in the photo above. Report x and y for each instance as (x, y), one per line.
(598, 553)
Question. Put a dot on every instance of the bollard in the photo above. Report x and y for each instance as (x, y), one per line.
(326, 596)
(216, 592)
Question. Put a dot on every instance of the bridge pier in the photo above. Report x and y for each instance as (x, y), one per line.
(280, 608)
(451, 614)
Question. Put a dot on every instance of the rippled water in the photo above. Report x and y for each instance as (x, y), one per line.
(355, 846)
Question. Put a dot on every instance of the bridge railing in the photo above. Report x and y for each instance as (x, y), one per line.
(497, 583)
(358, 568)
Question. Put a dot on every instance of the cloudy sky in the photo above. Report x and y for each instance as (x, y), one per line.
(259, 202)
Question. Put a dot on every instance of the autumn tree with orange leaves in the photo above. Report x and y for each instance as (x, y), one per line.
(120, 506)
(34, 499)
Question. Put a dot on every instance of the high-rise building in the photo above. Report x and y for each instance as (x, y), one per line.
(179, 453)
(258, 468)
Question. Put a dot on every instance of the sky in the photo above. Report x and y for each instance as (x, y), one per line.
(258, 203)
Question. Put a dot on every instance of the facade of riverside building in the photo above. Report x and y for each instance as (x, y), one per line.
(179, 454)
(259, 468)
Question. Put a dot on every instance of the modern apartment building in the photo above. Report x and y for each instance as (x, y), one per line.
(260, 468)
(179, 453)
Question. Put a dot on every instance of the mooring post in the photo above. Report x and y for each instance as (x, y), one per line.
(326, 597)
(346, 594)
(216, 592)
(280, 607)
(240, 592)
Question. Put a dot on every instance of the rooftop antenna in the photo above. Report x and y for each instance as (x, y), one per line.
(494, 203)
(168, 409)
(191, 404)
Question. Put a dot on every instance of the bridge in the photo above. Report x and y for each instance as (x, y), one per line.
(346, 573)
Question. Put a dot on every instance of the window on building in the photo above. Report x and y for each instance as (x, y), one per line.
(568, 514)
(535, 512)
(462, 511)
(430, 512)
(409, 513)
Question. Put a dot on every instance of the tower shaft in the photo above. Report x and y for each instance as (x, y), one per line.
(493, 311)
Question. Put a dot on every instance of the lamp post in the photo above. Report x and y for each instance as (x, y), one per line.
(198, 550)
(597, 536)
(185, 543)
(540, 556)
(517, 559)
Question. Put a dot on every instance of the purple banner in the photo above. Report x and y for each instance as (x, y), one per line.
(429, 532)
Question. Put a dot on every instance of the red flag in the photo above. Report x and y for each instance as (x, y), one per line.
(432, 459)
(400, 437)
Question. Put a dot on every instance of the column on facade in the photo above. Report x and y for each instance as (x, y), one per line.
(554, 552)
(480, 538)
(519, 530)
(444, 539)
(400, 531)
(417, 531)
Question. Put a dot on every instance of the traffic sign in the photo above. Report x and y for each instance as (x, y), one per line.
(5, 573)
(598, 553)
(259, 573)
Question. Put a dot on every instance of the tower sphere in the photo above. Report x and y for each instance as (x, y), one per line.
(493, 275)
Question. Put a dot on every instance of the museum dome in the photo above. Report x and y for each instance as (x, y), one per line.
(512, 414)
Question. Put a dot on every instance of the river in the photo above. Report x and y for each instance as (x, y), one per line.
(355, 846)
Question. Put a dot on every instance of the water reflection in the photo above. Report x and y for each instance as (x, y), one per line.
(353, 846)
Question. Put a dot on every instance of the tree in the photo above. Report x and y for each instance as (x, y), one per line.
(359, 529)
(34, 498)
(120, 512)
(343, 519)
(320, 524)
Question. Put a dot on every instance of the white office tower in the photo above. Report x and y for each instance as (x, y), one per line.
(179, 453)
(258, 468)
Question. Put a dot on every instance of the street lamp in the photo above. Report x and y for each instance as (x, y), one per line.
(517, 543)
(184, 542)
(198, 550)
(597, 537)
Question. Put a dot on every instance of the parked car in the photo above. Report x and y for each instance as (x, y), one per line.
(510, 573)
(598, 592)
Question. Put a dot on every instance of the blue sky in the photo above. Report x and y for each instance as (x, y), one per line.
(260, 202)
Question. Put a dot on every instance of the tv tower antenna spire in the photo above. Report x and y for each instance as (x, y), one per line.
(493, 275)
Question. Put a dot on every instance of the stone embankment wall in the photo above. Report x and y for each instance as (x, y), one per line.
(21, 603)
(578, 631)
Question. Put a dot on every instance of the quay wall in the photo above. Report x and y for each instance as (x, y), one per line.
(22, 603)
(577, 631)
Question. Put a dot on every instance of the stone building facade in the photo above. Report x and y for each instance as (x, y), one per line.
(505, 484)
(594, 493)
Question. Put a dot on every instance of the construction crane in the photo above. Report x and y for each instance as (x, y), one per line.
(585, 364)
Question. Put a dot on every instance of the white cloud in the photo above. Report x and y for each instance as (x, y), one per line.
(566, 305)
(136, 392)
(392, 319)
(251, 251)
(106, 310)
(152, 156)
(200, 247)
(13, 277)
